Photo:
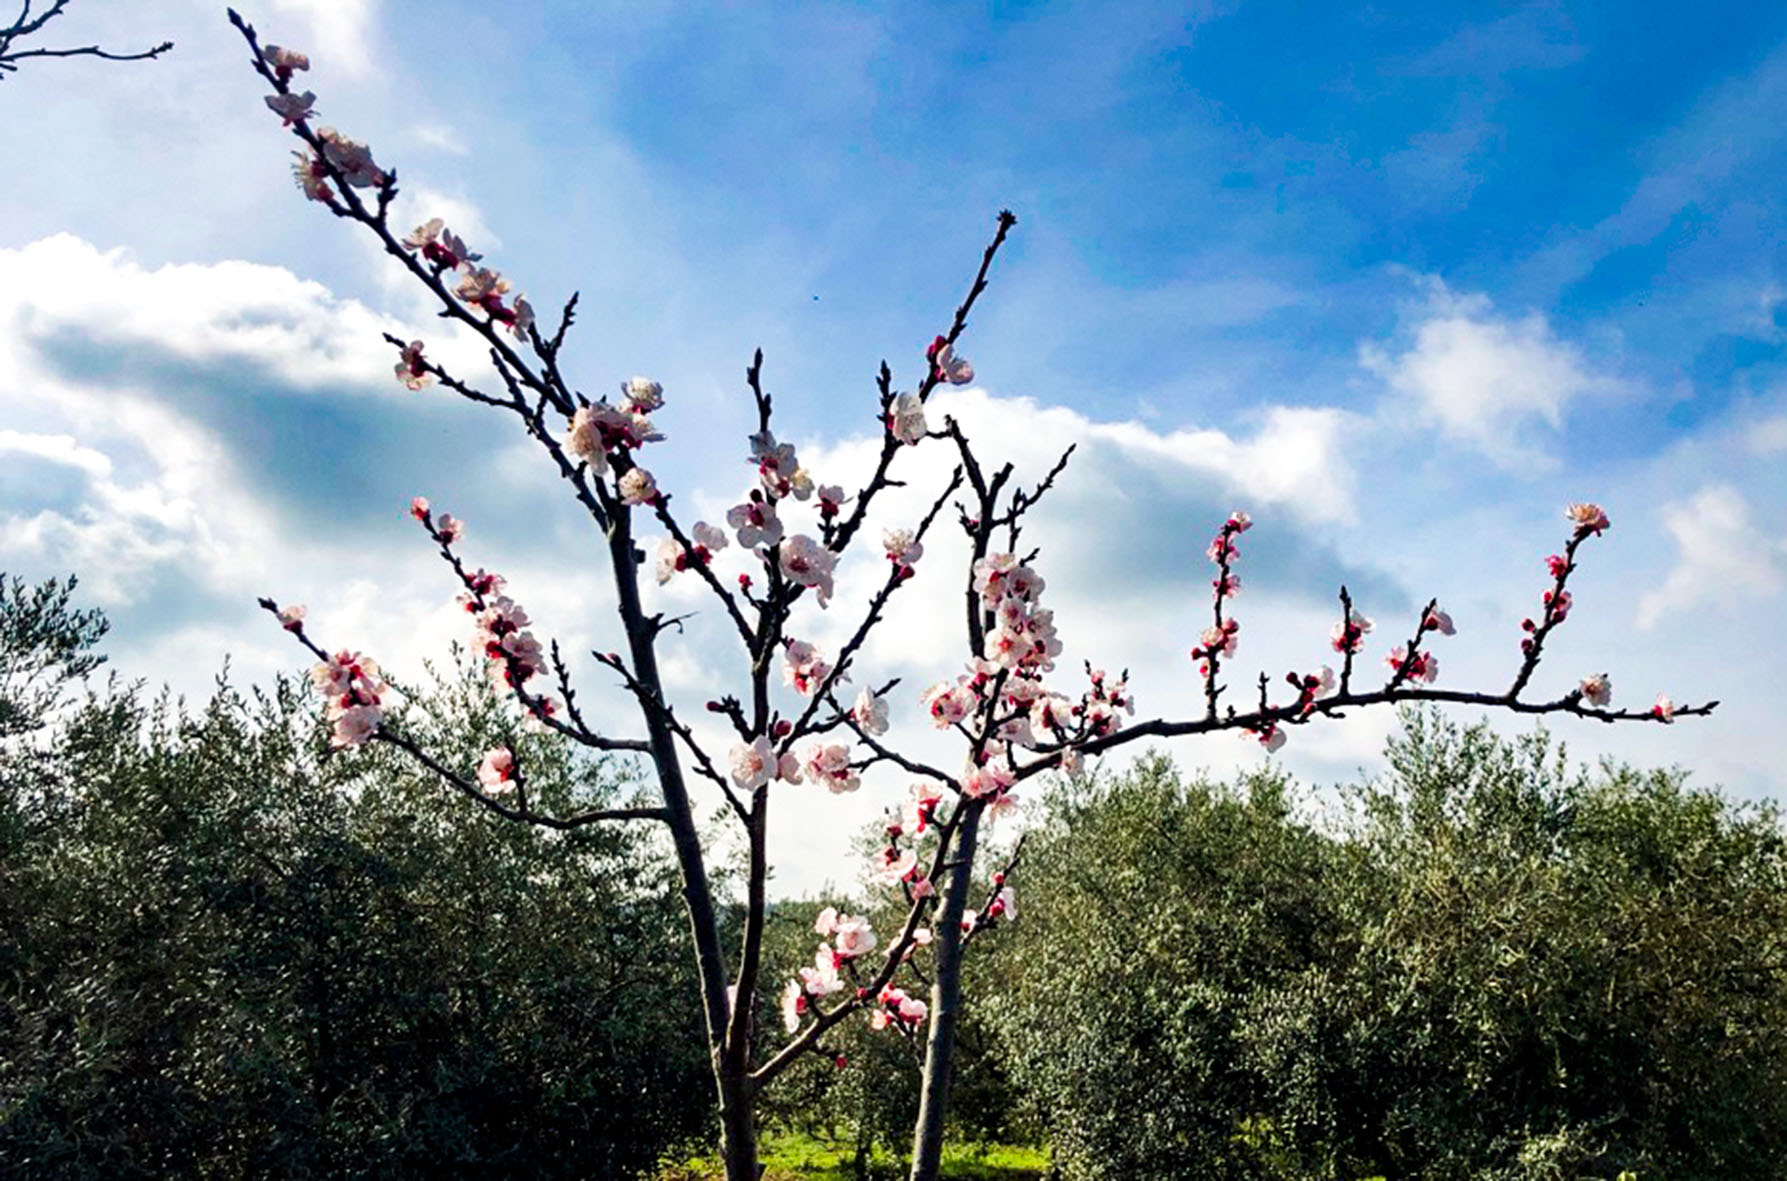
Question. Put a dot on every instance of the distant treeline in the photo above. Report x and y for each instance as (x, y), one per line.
(226, 953)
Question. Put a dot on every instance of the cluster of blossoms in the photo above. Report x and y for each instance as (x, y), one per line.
(500, 632)
(755, 763)
(605, 434)
(849, 937)
(351, 686)
(906, 412)
(1219, 639)
(894, 1007)
(340, 157)
(1006, 685)
(1590, 521)
(1023, 640)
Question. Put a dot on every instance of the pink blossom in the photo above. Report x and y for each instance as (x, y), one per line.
(1100, 718)
(355, 725)
(708, 538)
(1437, 620)
(1588, 518)
(756, 522)
(1005, 905)
(439, 245)
(1558, 605)
(829, 763)
(808, 563)
(870, 712)
(804, 666)
(284, 61)
(351, 158)
(921, 807)
(826, 921)
(292, 618)
(852, 936)
(946, 365)
(903, 547)
(312, 176)
(1423, 666)
(521, 318)
(753, 764)
(831, 500)
(1219, 638)
(1349, 635)
(1268, 734)
(412, 368)
(1052, 715)
(671, 558)
(638, 486)
(642, 395)
(794, 1006)
(906, 419)
(292, 108)
(948, 704)
(419, 508)
(822, 978)
(497, 771)
(1664, 710)
(1239, 522)
(585, 440)
(449, 528)
(988, 779)
(1597, 690)
(897, 864)
(484, 288)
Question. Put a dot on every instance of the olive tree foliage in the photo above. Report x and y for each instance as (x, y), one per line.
(1157, 911)
(1489, 964)
(46, 648)
(1014, 715)
(225, 953)
(16, 38)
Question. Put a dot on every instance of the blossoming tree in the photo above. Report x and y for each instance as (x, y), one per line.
(1014, 712)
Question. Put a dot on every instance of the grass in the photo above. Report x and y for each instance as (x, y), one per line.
(803, 1158)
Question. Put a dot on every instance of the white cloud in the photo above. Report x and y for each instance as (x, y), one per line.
(1486, 380)
(62, 449)
(1768, 437)
(443, 137)
(1724, 559)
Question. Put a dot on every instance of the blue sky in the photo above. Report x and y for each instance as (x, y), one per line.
(1402, 280)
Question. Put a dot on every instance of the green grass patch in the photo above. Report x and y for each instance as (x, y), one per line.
(804, 1158)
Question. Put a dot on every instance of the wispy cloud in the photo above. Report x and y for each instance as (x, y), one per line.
(1496, 383)
(1724, 560)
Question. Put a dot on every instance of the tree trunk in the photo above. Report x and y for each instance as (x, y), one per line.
(946, 1000)
(738, 1133)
